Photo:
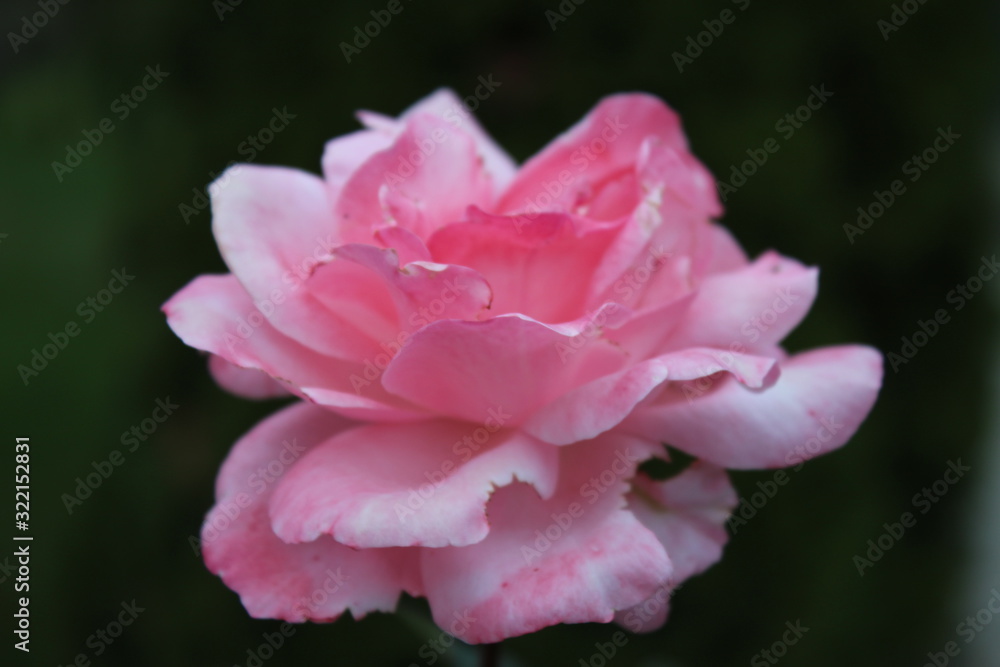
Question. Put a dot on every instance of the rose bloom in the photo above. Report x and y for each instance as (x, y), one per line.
(485, 355)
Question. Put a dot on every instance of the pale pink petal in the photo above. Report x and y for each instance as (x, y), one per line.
(575, 558)
(245, 382)
(525, 259)
(687, 513)
(423, 484)
(317, 581)
(342, 156)
(273, 226)
(815, 406)
(214, 314)
(727, 254)
(749, 309)
(588, 411)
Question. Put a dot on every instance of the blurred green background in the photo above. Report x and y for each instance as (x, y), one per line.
(229, 65)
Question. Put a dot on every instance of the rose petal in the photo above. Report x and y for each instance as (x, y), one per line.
(588, 411)
(316, 581)
(214, 314)
(426, 179)
(510, 362)
(273, 225)
(522, 259)
(815, 406)
(423, 484)
(754, 307)
(598, 149)
(245, 382)
(575, 558)
(687, 514)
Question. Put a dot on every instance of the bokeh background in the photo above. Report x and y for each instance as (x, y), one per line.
(232, 63)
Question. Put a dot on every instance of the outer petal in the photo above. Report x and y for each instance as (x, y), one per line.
(727, 254)
(343, 155)
(245, 382)
(316, 581)
(510, 362)
(214, 313)
(602, 404)
(819, 402)
(421, 484)
(755, 307)
(575, 558)
(273, 225)
(687, 514)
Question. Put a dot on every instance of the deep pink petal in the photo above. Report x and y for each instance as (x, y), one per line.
(815, 406)
(425, 180)
(524, 259)
(598, 149)
(423, 484)
(408, 297)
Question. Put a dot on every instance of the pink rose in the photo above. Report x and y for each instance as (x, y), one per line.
(486, 355)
